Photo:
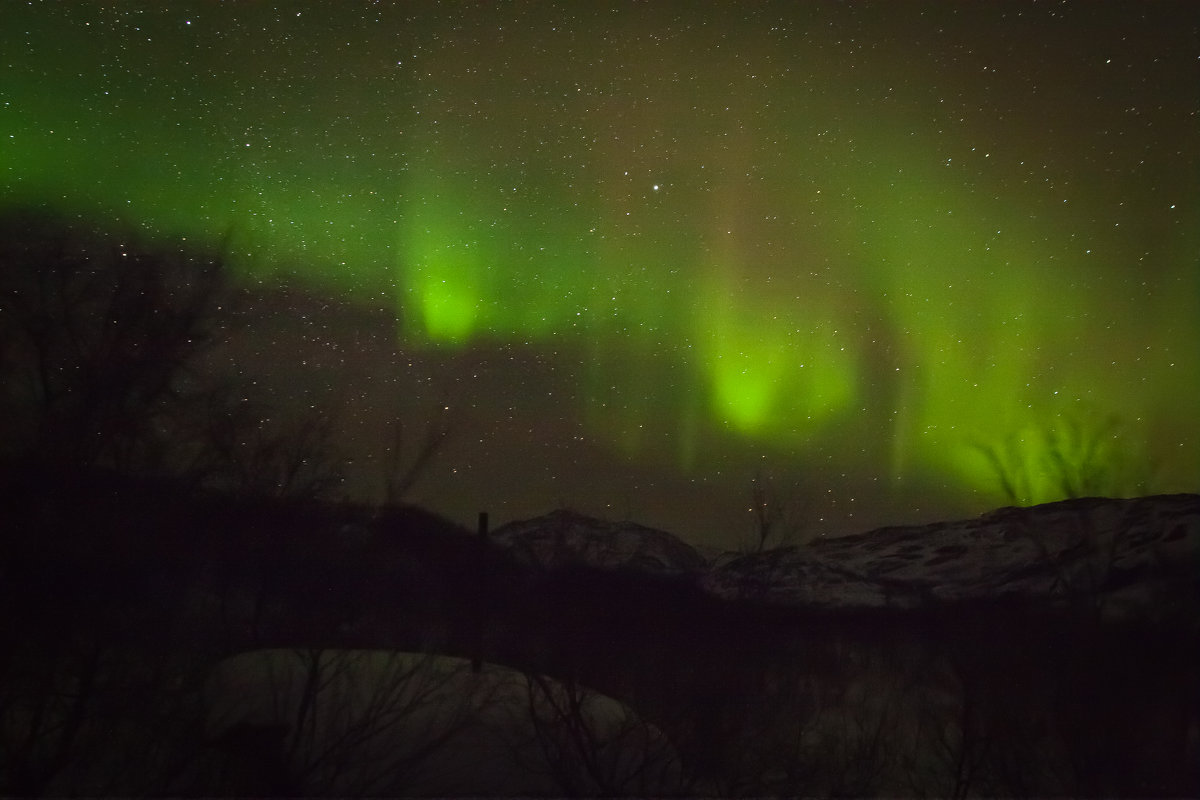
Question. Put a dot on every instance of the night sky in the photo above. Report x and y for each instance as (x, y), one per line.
(883, 255)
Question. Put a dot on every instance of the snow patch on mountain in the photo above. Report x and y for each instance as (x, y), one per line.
(1128, 556)
(565, 537)
(1122, 553)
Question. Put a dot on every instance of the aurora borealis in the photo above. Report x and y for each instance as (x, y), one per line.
(907, 260)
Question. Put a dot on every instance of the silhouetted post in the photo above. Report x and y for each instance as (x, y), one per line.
(480, 594)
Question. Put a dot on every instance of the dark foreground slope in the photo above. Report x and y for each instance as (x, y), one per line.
(121, 596)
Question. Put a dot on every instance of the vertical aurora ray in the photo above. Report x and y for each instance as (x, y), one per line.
(1002, 387)
(444, 273)
(770, 372)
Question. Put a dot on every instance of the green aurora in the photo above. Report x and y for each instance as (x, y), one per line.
(956, 248)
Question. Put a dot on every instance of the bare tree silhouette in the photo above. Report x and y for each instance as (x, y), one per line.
(778, 521)
(236, 445)
(1078, 455)
(337, 722)
(100, 334)
(403, 468)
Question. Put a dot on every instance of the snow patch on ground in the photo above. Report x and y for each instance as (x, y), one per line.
(358, 722)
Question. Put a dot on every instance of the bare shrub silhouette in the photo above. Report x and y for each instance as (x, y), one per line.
(236, 446)
(377, 723)
(593, 745)
(81, 716)
(333, 722)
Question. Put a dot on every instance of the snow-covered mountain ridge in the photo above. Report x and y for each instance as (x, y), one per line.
(565, 537)
(1129, 556)
(1119, 553)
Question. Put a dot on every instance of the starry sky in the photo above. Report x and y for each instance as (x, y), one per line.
(902, 261)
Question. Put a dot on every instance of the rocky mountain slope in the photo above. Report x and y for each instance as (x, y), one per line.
(565, 537)
(1125, 555)
(1122, 554)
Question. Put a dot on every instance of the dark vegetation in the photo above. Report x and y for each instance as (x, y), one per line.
(142, 542)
